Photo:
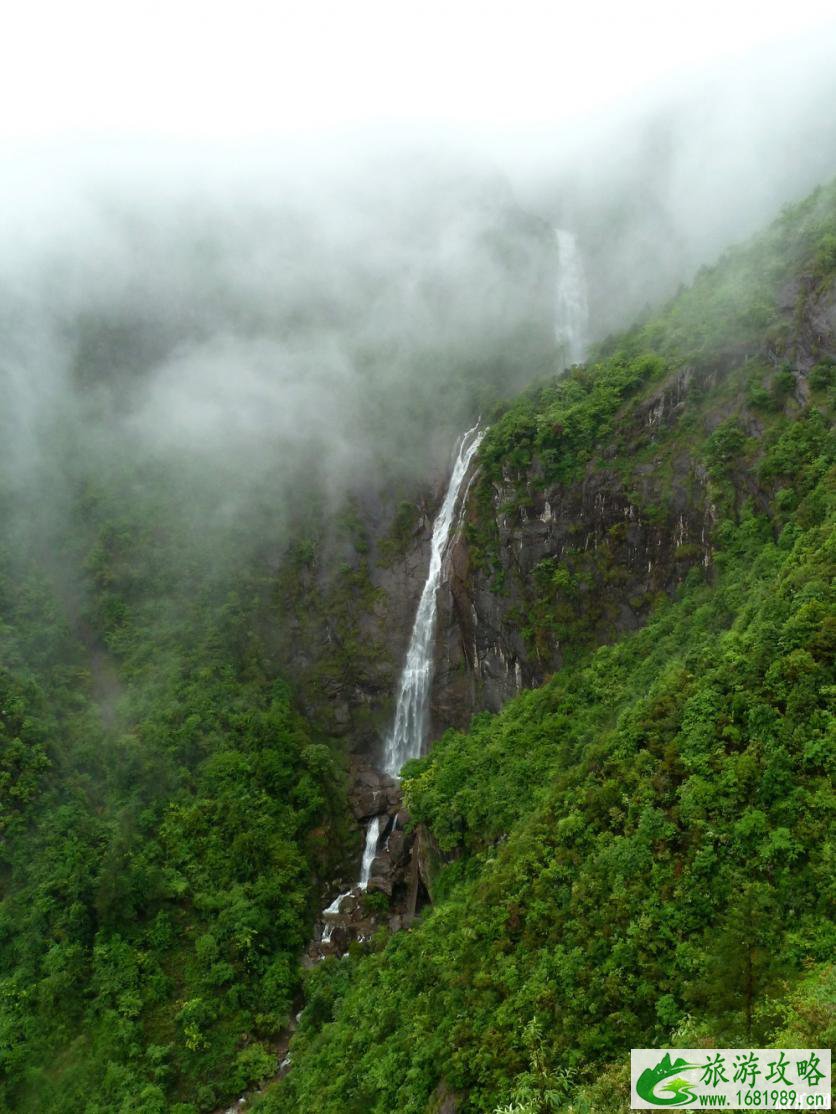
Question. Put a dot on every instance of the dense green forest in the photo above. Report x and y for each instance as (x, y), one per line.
(179, 440)
(163, 808)
(638, 851)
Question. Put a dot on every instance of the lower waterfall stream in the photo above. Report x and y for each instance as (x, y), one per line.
(407, 737)
(406, 740)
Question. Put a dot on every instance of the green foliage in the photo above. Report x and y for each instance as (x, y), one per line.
(24, 759)
(638, 852)
(677, 410)
(821, 376)
(164, 809)
(375, 903)
(725, 448)
(559, 423)
(647, 839)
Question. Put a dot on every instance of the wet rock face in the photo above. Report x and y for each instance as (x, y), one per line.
(373, 794)
(398, 885)
(341, 642)
(485, 657)
(344, 610)
(620, 546)
(624, 551)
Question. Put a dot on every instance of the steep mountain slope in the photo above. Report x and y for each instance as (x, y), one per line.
(164, 812)
(635, 845)
(638, 850)
(600, 491)
(194, 398)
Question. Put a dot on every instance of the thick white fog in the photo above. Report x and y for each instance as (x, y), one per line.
(338, 304)
(256, 339)
(663, 183)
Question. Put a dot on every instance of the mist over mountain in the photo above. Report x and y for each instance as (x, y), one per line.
(416, 474)
(661, 185)
(264, 332)
(268, 304)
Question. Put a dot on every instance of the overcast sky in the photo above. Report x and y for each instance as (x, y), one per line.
(205, 70)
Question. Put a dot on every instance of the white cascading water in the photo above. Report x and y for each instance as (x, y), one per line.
(571, 316)
(406, 739)
(369, 851)
(328, 916)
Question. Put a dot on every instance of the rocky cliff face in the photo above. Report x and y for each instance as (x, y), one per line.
(619, 542)
(545, 568)
(344, 605)
(576, 564)
(398, 886)
(539, 569)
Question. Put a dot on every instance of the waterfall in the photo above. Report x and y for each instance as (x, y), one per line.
(406, 739)
(369, 851)
(334, 908)
(571, 316)
(328, 914)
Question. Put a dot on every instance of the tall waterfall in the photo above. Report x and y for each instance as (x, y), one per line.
(406, 739)
(571, 311)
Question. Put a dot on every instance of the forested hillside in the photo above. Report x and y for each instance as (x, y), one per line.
(192, 396)
(197, 596)
(638, 851)
(164, 812)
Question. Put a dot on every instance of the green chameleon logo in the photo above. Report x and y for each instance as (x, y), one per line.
(681, 1091)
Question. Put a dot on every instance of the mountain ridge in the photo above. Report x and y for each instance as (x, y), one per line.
(622, 823)
(634, 852)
